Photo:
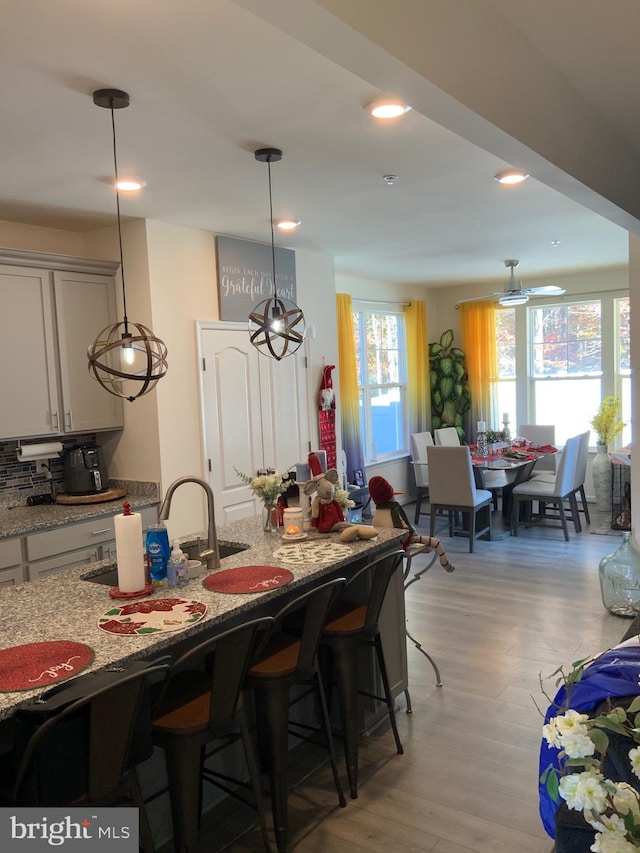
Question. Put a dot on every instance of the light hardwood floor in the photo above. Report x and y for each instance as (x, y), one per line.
(467, 783)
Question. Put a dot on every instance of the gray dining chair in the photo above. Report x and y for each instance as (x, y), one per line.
(419, 443)
(447, 436)
(452, 488)
(540, 435)
(555, 493)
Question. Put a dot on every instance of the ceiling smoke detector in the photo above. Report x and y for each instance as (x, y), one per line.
(389, 179)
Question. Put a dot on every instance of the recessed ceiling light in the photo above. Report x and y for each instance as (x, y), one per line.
(288, 224)
(511, 176)
(387, 108)
(130, 185)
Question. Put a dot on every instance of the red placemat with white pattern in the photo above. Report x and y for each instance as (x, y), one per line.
(41, 664)
(248, 579)
(152, 616)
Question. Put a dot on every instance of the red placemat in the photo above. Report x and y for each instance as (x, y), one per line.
(41, 664)
(248, 579)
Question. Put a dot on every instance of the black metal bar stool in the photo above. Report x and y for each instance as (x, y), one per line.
(353, 624)
(203, 702)
(289, 659)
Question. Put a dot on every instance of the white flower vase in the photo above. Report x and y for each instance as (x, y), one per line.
(601, 474)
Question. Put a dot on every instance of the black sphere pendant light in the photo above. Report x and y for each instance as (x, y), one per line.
(127, 359)
(276, 325)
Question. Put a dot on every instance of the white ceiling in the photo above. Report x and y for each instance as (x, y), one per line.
(210, 82)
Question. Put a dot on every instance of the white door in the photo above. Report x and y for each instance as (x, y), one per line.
(254, 413)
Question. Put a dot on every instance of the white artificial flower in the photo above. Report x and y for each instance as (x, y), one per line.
(625, 799)
(634, 758)
(569, 791)
(608, 824)
(577, 744)
(551, 734)
(584, 791)
(612, 842)
(571, 721)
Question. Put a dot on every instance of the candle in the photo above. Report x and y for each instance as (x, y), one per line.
(482, 426)
(505, 418)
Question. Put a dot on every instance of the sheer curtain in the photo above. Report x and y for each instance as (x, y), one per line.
(478, 333)
(418, 389)
(349, 402)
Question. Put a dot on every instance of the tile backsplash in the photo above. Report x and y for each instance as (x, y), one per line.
(22, 476)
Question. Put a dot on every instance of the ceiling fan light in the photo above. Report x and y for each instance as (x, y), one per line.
(288, 224)
(387, 108)
(512, 299)
(511, 176)
(130, 185)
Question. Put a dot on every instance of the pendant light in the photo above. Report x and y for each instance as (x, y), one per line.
(276, 326)
(127, 359)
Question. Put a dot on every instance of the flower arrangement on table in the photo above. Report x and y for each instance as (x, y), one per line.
(494, 436)
(607, 422)
(268, 487)
(611, 808)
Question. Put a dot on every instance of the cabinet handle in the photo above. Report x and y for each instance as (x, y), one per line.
(98, 532)
(69, 422)
(54, 418)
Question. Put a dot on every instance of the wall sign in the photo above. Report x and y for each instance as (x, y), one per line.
(245, 275)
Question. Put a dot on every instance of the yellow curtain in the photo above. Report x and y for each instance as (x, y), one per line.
(419, 402)
(478, 334)
(349, 404)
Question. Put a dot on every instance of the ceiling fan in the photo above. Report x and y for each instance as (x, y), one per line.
(514, 293)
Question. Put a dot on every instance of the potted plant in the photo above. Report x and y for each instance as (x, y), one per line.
(607, 424)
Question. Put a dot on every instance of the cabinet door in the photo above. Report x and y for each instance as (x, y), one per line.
(85, 305)
(28, 387)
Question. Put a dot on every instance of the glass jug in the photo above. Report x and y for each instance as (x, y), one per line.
(620, 579)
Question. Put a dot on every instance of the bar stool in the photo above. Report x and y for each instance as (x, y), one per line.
(351, 625)
(289, 659)
(202, 703)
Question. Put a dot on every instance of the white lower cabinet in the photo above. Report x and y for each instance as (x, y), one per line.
(11, 568)
(75, 544)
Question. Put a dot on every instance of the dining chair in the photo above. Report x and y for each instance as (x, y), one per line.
(203, 703)
(541, 435)
(87, 750)
(290, 659)
(580, 475)
(452, 488)
(447, 436)
(352, 624)
(553, 493)
(419, 443)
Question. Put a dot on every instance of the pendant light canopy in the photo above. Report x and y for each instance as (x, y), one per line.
(276, 325)
(127, 359)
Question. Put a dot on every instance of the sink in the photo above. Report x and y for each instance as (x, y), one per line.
(109, 576)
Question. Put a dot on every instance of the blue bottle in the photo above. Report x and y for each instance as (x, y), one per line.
(158, 551)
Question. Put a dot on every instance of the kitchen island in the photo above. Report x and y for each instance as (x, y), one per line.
(67, 605)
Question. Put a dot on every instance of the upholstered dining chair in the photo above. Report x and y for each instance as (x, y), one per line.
(419, 443)
(541, 435)
(452, 488)
(553, 493)
(580, 475)
(447, 436)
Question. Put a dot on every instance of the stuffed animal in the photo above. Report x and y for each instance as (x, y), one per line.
(326, 513)
(389, 513)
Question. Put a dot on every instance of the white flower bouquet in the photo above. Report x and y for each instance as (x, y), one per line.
(268, 487)
(344, 500)
(611, 808)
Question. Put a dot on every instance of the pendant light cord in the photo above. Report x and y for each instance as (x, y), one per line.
(115, 168)
(273, 245)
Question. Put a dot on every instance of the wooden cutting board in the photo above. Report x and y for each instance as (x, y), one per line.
(108, 495)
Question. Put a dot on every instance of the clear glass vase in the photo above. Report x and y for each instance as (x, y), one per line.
(620, 579)
(270, 517)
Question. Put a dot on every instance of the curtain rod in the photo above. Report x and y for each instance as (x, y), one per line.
(379, 301)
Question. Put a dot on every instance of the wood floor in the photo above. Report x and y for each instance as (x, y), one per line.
(467, 783)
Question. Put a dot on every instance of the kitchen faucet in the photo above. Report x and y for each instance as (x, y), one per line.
(212, 553)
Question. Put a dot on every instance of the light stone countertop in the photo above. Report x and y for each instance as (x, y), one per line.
(18, 519)
(64, 607)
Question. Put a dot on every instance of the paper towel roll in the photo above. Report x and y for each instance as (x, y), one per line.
(129, 551)
(29, 452)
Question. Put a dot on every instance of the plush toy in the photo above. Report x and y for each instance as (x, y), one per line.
(389, 513)
(326, 513)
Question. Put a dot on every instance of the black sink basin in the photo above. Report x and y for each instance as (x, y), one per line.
(109, 576)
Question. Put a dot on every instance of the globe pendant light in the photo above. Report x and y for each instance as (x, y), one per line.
(127, 359)
(276, 326)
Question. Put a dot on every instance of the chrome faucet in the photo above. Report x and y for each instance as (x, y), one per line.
(212, 552)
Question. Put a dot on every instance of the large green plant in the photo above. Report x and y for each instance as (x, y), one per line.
(450, 395)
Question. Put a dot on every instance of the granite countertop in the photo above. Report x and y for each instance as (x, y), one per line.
(64, 606)
(18, 519)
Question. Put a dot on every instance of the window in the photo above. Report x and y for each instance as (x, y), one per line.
(382, 376)
(506, 384)
(623, 364)
(566, 365)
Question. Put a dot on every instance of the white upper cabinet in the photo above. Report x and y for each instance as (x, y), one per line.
(53, 308)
